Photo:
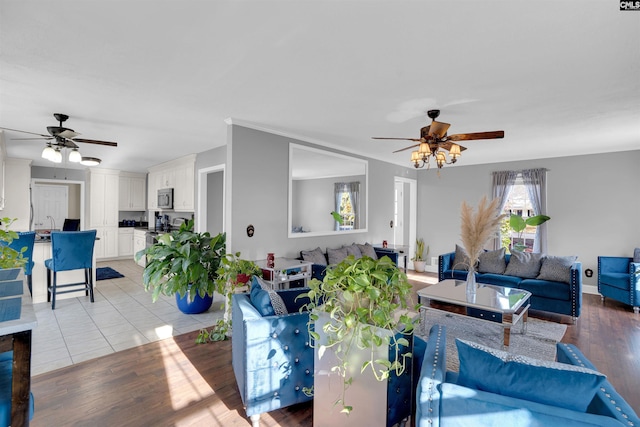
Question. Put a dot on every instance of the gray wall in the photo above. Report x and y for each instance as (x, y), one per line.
(58, 173)
(215, 186)
(258, 164)
(592, 201)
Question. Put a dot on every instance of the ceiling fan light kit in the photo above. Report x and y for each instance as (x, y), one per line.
(90, 161)
(60, 138)
(434, 141)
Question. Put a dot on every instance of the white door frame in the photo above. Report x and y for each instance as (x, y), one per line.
(413, 214)
(202, 196)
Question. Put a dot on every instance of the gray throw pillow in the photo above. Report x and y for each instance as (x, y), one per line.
(557, 268)
(524, 264)
(354, 250)
(460, 259)
(636, 255)
(315, 256)
(336, 255)
(367, 250)
(492, 262)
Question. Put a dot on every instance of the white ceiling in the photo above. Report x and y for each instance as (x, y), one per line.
(559, 77)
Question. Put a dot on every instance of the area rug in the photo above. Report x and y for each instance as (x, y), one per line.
(104, 273)
(538, 342)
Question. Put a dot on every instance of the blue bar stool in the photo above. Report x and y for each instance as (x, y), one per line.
(26, 240)
(71, 250)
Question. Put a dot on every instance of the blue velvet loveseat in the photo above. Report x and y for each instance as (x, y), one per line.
(333, 256)
(555, 282)
(495, 388)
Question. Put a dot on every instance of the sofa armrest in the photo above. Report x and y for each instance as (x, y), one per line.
(607, 401)
(575, 289)
(445, 262)
(432, 374)
(318, 271)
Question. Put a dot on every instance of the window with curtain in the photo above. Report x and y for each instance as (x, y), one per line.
(522, 193)
(347, 200)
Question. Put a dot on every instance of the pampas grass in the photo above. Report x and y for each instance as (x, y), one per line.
(478, 227)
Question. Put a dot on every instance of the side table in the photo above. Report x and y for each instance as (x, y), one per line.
(285, 271)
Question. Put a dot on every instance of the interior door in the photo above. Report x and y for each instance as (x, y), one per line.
(50, 206)
(398, 214)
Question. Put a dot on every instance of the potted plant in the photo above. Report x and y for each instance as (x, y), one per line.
(9, 257)
(358, 318)
(233, 275)
(418, 259)
(184, 263)
(518, 224)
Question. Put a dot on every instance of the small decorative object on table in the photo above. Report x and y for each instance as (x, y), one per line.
(271, 259)
(476, 230)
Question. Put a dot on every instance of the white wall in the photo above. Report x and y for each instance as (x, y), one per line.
(17, 175)
(592, 200)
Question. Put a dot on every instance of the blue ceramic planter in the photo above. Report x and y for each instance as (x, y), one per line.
(198, 305)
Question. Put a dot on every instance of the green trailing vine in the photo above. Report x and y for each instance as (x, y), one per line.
(361, 297)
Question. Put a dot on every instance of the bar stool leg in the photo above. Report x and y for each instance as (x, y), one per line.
(53, 291)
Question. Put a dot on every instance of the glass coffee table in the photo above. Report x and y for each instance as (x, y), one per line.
(499, 304)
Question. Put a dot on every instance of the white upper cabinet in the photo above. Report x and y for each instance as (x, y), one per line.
(178, 174)
(133, 192)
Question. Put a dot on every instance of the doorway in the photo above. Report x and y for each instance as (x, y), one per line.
(405, 214)
(211, 200)
(52, 201)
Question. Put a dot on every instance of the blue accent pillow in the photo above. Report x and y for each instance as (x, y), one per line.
(260, 298)
(549, 383)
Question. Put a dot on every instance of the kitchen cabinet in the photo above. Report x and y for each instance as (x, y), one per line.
(132, 192)
(103, 190)
(178, 174)
(139, 243)
(125, 242)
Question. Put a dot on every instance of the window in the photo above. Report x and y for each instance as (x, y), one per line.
(347, 196)
(346, 211)
(522, 193)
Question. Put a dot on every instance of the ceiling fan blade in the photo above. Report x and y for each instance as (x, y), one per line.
(477, 135)
(66, 142)
(398, 139)
(438, 129)
(447, 146)
(93, 141)
(24, 131)
(407, 148)
(32, 139)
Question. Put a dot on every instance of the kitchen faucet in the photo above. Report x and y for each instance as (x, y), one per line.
(53, 222)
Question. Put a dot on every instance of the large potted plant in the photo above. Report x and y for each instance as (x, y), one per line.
(9, 257)
(418, 259)
(184, 263)
(358, 319)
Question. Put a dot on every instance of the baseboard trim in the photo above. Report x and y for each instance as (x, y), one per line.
(590, 289)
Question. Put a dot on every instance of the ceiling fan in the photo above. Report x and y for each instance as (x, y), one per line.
(433, 139)
(61, 137)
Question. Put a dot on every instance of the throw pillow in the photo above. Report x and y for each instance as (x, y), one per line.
(492, 262)
(315, 256)
(367, 250)
(636, 255)
(460, 259)
(524, 264)
(266, 300)
(557, 268)
(354, 250)
(551, 383)
(336, 255)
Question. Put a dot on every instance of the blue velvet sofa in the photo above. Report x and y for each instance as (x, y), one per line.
(323, 259)
(442, 401)
(271, 355)
(547, 295)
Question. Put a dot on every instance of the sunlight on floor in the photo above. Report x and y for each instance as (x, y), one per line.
(183, 379)
(165, 331)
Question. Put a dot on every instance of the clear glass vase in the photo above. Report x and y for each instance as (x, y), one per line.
(472, 286)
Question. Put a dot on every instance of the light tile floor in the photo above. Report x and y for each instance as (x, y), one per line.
(121, 317)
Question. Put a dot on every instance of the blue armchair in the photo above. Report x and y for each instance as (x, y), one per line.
(272, 357)
(619, 278)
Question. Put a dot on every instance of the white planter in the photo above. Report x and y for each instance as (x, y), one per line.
(419, 266)
(366, 395)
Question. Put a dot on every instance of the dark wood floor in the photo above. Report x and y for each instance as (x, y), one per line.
(176, 382)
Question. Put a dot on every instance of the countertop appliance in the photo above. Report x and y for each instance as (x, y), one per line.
(165, 198)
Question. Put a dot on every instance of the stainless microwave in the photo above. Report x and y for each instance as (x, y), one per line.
(165, 198)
